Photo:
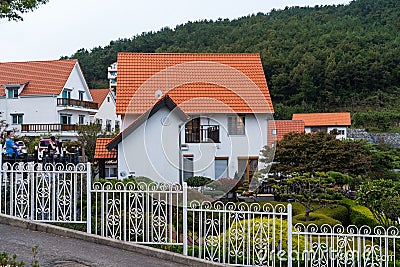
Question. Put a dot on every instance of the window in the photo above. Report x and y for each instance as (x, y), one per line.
(108, 125)
(81, 119)
(111, 172)
(274, 132)
(340, 132)
(247, 167)
(108, 99)
(187, 166)
(17, 118)
(66, 93)
(12, 92)
(65, 119)
(236, 125)
(116, 124)
(81, 95)
(99, 121)
(221, 168)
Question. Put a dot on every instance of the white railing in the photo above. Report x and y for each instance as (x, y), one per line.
(240, 234)
(230, 233)
(140, 213)
(331, 246)
(51, 193)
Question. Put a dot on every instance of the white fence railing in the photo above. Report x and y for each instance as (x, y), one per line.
(140, 213)
(238, 234)
(51, 193)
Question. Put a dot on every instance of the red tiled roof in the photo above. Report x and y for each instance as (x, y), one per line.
(324, 119)
(99, 95)
(101, 152)
(205, 83)
(42, 77)
(282, 128)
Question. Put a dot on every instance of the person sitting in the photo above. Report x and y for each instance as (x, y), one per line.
(52, 149)
(11, 147)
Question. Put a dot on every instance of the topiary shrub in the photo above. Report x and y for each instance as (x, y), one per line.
(315, 218)
(213, 193)
(337, 212)
(197, 181)
(359, 215)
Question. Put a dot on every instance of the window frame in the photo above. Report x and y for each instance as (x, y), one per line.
(237, 124)
(19, 118)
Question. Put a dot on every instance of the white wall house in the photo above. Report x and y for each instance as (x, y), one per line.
(325, 122)
(191, 115)
(106, 114)
(45, 97)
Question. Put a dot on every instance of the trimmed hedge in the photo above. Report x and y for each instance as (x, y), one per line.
(337, 212)
(315, 218)
(359, 215)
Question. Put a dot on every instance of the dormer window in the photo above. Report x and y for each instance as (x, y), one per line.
(12, 92)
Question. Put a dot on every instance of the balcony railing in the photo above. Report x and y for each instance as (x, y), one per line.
(204, 134)
(46, 128)
(76, 103)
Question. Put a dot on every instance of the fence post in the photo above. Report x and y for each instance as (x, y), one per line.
(290, 234)
(88, 198)
(184, 228)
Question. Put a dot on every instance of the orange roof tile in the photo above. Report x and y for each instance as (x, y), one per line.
(99, 95)
(205, 83)
(283, 127)
(324, 119)
(101, 152)
(41, 77)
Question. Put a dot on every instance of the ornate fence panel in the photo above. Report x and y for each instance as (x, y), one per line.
(336, 246)
(240, 234)
(140, 213)
(48, 193)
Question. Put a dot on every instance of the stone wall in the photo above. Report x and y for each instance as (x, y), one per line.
(392, 139)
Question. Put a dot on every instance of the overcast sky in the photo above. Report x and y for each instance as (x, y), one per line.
(61, 27)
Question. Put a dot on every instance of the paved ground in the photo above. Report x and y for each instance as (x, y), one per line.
(62, 251)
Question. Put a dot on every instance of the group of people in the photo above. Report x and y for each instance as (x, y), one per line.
(12, 147)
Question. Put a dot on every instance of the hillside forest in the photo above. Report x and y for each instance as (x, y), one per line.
(316, 59)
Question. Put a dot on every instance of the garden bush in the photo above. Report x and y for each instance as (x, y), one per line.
(337, 212)
(359, 215)
(315, 218)
(213, 193)
(196, 181)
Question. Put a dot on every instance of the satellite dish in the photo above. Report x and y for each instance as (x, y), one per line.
(123, 174)
(157, 94)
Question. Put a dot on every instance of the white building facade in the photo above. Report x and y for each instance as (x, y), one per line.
(45, 97)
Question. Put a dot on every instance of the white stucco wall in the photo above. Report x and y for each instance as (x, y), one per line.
(307, 129)
(107, 112)
(230, 146)
(152, 150)
(76, 82)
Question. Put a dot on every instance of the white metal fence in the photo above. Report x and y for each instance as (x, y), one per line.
(141, 213)
(238, 234)
(51, 193)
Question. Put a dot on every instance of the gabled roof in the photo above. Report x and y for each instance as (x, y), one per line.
(164, 101)
(197, 83)
(283, 127)
(324, 119)
(101, 152)
(40, 77)
(99, 95)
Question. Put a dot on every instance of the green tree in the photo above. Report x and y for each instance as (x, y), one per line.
(87, 135)
(312, 191)
(318, 152)
(382, 197)
(13, 9)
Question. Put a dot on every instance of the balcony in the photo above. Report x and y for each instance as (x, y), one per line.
(48, 128)
(204, 134)
(76, 103)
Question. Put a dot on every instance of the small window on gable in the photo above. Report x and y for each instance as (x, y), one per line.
(108, 99)
(236, 125)
(81, 95)
(274, 132)
(12, 92)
